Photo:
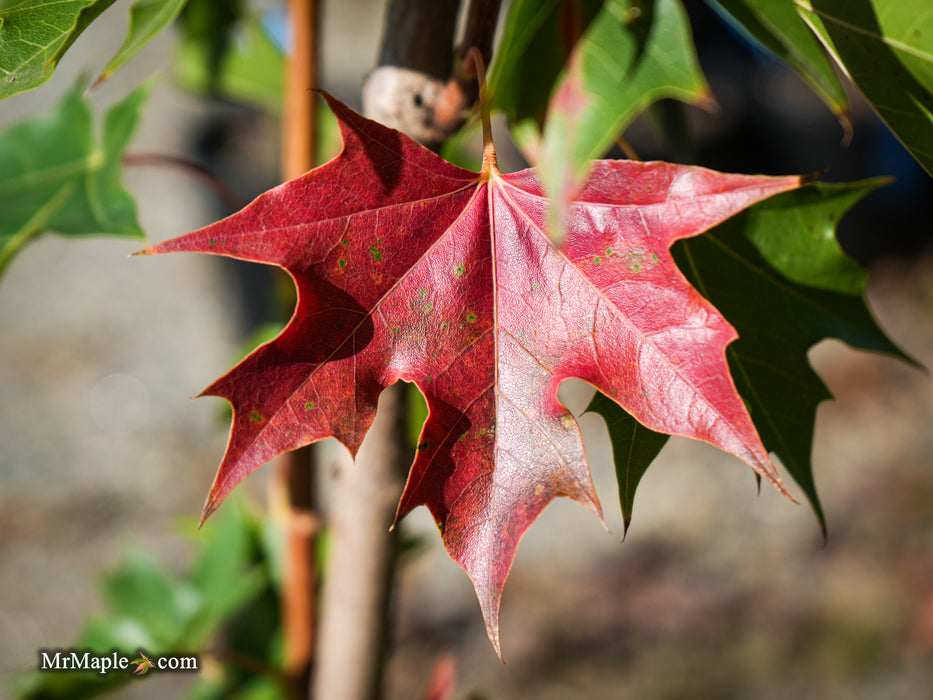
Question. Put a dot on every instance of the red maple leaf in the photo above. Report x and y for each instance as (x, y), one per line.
(409, 268)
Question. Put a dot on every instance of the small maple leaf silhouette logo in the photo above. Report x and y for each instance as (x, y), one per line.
(143, 664)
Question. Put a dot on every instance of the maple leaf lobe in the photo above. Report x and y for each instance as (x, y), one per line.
(408, 268)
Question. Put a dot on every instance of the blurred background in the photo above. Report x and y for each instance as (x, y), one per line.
(716, 591)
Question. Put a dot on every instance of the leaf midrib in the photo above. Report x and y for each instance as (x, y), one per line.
(48, 175)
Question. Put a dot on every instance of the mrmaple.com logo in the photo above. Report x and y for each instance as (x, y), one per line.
(86, 660)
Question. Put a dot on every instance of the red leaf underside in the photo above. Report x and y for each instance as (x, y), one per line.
(411, 269)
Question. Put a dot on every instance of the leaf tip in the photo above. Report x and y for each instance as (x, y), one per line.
(489, 600)
(626, 524)
(494, 638)
(779, 485)
(842, 115)
(810, 177)
(707, 101)
(209, 507)
(100, 80)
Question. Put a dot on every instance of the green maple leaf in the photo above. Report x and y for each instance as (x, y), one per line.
(777, 273)
(60, 174)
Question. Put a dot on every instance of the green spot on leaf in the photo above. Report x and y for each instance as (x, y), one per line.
(597, 260)
(341, 263)
(459, 270)
(256, 417)
(309, 405)
(374, 251)
(471, 317)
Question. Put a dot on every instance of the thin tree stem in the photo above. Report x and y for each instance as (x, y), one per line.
(356, 600)
(196, 170)
(299, 143)
(626, 148)
(292, 478)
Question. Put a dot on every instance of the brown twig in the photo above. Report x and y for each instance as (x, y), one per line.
(293, 479)
(196, 170)
(626, 148)
(299, 147)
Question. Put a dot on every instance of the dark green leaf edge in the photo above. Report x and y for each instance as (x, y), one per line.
(635, 447)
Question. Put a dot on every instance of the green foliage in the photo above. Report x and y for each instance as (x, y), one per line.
(610, 62)
(631, 55)
(777, 27)
(777, 273)
(212, 25)
(229, 588)
(147, 18)
(742, 266)
(595, 70)
(886, 46)
(34, 34)
(225, 51)
(57, 175)
(634, 448)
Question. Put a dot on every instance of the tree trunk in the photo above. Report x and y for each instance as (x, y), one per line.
(418, 89)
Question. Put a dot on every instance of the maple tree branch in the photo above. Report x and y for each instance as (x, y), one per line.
(480, 29)
(418, 88)
(422, 85)
(419, 35)
(356, 599)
